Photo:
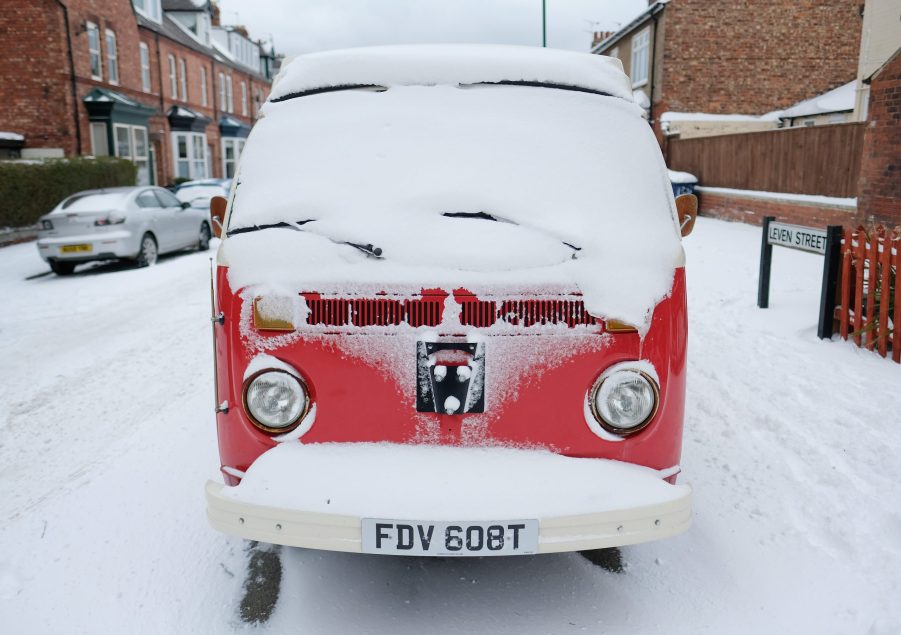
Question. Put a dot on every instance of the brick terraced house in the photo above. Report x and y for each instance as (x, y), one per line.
(159, 82)
(728, 59)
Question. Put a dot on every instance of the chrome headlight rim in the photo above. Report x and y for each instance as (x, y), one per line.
(267, 428)
(595, 389)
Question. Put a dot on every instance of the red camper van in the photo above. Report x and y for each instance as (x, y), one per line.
(449, 309)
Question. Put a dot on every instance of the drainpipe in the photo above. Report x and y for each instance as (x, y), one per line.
(72, 77)
(665, 144)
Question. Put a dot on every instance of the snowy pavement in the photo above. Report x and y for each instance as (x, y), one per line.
(107, 436)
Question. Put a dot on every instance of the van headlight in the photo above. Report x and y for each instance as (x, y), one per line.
(275, 400)
(624, 401)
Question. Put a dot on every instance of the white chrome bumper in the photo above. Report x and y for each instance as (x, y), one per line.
(286, 496)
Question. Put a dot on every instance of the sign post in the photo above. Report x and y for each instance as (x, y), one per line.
(817, 241)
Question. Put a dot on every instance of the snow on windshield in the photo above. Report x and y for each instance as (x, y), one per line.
(202, 192)
(574, 182)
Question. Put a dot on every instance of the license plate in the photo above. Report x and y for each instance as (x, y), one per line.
(69, 249)
(422, 538)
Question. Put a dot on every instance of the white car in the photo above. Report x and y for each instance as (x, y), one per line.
(131, 223)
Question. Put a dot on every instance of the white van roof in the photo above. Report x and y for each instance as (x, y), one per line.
(450, 64)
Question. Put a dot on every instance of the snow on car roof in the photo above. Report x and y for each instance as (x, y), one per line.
(450, 64)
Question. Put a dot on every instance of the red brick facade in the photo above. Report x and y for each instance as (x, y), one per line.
(751, 210)
(753, 58)
(880, 173)
(42, 102)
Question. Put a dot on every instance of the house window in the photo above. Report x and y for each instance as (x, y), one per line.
(131, 143)
(204, 99)
(94, 50)
(244, 98)
(148, 8)
(189, 149)
(183, 79)
(173, 84)
(639, 66)
(222, 101)
(112, 57)
(145, 67)
(229, 94)
(99, 140)
(231, 151)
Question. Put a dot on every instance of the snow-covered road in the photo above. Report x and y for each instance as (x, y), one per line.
(107, 436)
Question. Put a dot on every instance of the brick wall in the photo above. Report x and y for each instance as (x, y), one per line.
(751, 210)
(36, 84)
(37, 98)
(880, 173)
(736, 57)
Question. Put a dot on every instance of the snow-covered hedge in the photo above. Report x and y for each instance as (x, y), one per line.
(29, 190)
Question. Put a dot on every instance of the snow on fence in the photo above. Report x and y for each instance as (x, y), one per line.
(870, 295)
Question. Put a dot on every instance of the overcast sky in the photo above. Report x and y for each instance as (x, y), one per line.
(302, 26)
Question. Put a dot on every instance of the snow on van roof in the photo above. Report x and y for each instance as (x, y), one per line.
(450, 64)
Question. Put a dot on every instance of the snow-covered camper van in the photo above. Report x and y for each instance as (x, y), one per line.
(449, 309)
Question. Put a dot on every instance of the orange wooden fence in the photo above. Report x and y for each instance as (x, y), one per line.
(870, 293)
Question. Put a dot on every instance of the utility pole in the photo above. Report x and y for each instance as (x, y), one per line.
(544, 23)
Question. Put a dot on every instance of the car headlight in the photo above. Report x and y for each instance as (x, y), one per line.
(624, 401)
(275, 400)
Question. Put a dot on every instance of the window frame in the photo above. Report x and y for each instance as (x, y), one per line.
(144, 56)
(640, 57)
(151, 9)
(183, 79)
(204, 95)
(244, 98)
(229, 94)
(142, 160)
(222, 101)
(112, 56)
(237, 147)
(173, 81)
(196, 165)
(94, 54)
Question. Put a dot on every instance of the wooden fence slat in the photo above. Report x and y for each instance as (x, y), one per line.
(885, 289)
(896, 259)
(859, 254)
(845, 310)
(872, 255)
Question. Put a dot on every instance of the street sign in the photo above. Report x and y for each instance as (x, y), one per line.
(826, 242)
(797, 237)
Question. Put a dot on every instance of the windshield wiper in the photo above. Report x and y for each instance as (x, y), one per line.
(369, 249)
(500, 219)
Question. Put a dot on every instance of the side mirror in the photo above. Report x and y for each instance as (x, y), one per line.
(217, 214)
(185, 205)
(687, 207)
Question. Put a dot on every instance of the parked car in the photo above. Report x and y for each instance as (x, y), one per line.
(449, 314)
(130, 223)
(198, 193)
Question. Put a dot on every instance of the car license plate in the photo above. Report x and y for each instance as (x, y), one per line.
(422, 538)
(69, 249)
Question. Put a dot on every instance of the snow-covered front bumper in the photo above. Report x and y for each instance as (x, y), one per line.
(317, 495)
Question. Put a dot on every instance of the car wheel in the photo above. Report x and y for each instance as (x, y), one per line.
(62, 268)
(203, 242)
(148, 252)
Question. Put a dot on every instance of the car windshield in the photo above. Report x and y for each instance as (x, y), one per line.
(93, 202)
(201, 193)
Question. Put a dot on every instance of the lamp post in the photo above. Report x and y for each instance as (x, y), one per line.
(544, 23)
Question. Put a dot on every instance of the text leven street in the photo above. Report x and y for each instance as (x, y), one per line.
(804, 238)
(448, 538)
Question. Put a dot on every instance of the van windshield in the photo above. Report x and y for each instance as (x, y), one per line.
(477, 178)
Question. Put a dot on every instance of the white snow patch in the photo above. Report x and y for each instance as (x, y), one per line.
(11, 136)
(430, 65)
(681, 177)
(268, 362)
(366, 480)
(815, 199)
(672, 116)
(839, 99)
